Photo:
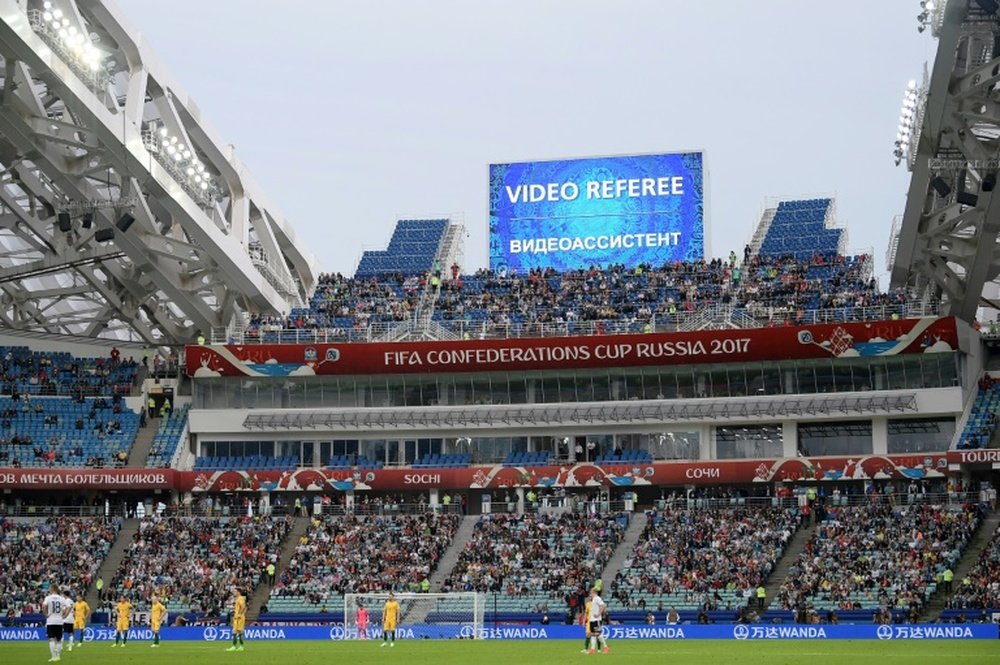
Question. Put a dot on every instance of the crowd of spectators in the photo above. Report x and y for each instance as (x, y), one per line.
(60, 373)
(194, 562)
(779, 290)
(37, 432)
(713, 559)
(348, 554)
(775, 290)
(532, 554)
(980, 589)
(93, 432)
(38, 552)
(878, 556)
(983, 418)
(341, 303)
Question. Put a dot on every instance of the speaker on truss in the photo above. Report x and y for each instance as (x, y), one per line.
(125, 222)
(104, 235)
(990, 181)
(941, 186)
(967, 199)
(65, 222)
(88, 220)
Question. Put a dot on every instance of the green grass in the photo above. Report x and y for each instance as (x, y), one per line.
(519, 653)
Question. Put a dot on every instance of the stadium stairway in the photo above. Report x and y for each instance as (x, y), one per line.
(143, 443)
(636, 525)
(111, 562)
(263, 590)
(450, 557)
(780, 572)
(939, 601)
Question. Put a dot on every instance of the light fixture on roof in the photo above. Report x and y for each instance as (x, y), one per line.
(906, 130)
(181, 161)
(71, 40)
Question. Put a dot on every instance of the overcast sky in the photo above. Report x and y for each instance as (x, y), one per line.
(354, 114)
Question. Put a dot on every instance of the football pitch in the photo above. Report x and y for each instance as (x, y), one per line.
(426, 652)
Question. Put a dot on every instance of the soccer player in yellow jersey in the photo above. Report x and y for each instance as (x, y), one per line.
(390, 616)
(157, 617)
(81, 611)
(123, 609)
(239, 619)
(584, 619)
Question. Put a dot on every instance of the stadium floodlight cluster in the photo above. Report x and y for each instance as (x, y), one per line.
(72, 43)
(925, 15)
(180, 160)
(907, 133)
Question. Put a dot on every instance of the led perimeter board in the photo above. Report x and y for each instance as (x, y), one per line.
(577, 213)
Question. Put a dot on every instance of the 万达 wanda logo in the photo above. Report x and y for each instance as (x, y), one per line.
(884, 632)
(741, 632)
(211, 634)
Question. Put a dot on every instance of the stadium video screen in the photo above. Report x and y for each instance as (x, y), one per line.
(570, 214)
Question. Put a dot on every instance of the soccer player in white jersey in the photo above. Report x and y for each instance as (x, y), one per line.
(56, 609)
(598, 610)
(67, 635)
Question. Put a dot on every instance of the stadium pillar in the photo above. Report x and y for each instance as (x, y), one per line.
(706, 442)
(349, 501)
(880, 435)
(789, 438)
(520, 500)
(433, 500)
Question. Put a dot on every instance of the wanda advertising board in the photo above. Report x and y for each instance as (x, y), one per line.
(837, 340)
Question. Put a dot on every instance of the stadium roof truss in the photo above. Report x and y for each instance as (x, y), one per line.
(654, 413)
(121, 213)
(947, 239)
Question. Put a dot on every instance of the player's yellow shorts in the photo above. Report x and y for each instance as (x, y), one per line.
(79, 625)
(155, 625)
(389, 625)
(239, 625)
(121, 626)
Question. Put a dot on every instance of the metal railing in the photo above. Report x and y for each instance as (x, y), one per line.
(728, 316)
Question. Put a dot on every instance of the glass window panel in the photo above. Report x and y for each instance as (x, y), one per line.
(835, 438)
(750, 441)
(921, 435)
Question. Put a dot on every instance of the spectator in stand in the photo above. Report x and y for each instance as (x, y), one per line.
(360, 555)
(195, 562)
(522, 555)
(67, 551)
(878, 556)
(711, 558)
(980, 589)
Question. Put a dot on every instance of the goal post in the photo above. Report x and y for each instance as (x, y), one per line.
(453, 614)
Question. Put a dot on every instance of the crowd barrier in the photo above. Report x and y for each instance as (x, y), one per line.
(551, 632)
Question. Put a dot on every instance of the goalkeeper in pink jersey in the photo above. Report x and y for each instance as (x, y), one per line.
(362, 619)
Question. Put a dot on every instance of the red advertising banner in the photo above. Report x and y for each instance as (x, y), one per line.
(97, 479)
(797, 469)
(978, 456)
(719, 472)
(844, 340)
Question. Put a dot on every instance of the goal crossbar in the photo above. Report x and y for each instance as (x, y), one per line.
(463, 609)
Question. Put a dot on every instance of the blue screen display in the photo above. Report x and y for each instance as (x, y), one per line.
(578, 213)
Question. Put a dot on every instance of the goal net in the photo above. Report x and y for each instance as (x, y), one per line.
(446, 614)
